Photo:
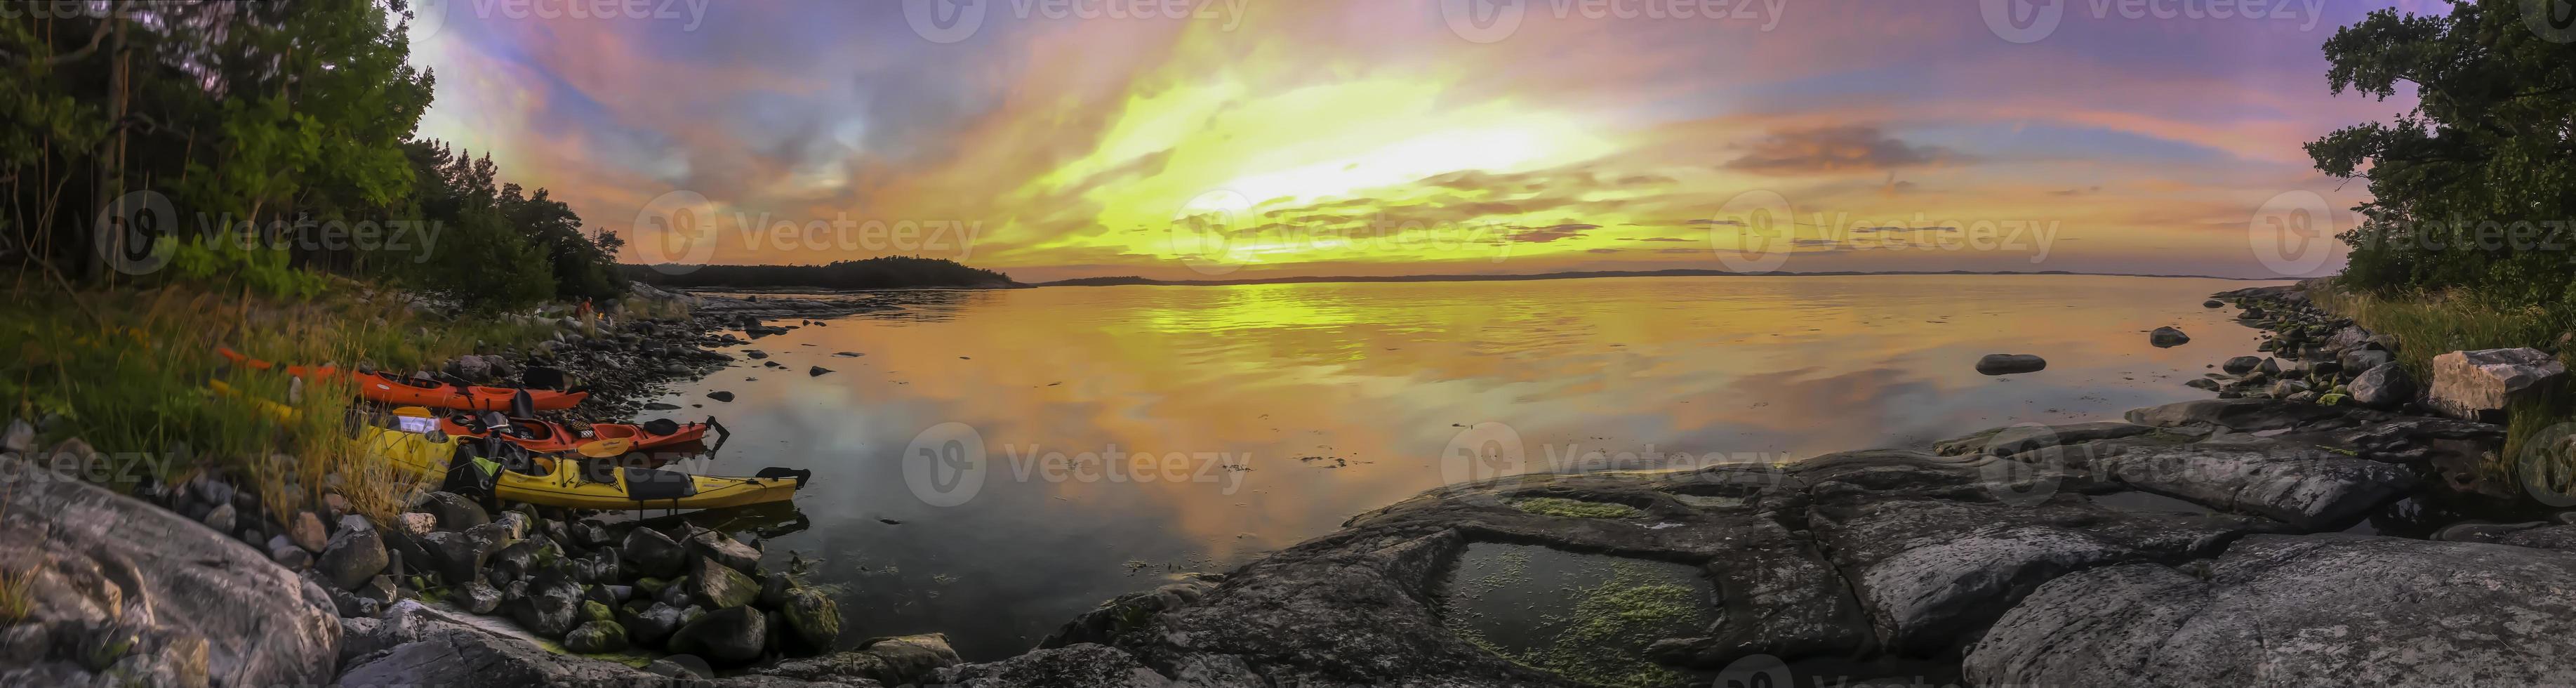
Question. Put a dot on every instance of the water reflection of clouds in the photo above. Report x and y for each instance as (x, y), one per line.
(1375, 380)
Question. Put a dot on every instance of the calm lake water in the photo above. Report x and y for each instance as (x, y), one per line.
(1038, 451)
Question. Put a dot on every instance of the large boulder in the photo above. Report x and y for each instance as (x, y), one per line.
(459, 557)
(454, 511)
(549, 610)
(192, 606)
(2383, 387)
(353, 555)
(716, 586)
(2323, 610)
(649, 553)
(724, 550)
(725, 636)
(814, 617)
(650, 627)
(2364, 358)
(2479, 385)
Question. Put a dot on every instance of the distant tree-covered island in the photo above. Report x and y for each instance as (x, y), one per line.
(887, 272)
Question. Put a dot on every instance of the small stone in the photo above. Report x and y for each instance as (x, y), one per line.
(721, 396)
(817, 371)
(596, 637)
(653, 625)
(220, 518)
(415, 524)
(352, 555)
(2241, 365)
(593, 610)
(480, 597)
(2006, 364)
(2167, 337)
(20, 438)
(305, 530)
(292, 557)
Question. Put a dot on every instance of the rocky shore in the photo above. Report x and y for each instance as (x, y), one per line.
(2303, 529)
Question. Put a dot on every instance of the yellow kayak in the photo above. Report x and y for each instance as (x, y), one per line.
(561, 483)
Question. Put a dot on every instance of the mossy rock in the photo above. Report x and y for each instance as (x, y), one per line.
(1575, 508)
(2332, 399)
(814, 616)
(592, 610)
(596, 637)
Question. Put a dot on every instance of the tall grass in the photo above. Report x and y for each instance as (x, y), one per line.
(129, 372)
(2429, 325)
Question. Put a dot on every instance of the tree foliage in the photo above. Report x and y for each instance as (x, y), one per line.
(282, 122)
(2474, 190)
(883, 272)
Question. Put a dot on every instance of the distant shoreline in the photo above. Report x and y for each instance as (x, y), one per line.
(1129, 280)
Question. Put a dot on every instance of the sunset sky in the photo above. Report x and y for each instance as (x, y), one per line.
(1053, 139)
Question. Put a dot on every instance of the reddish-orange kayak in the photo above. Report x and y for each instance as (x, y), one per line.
(545, 436)
(393, 389)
